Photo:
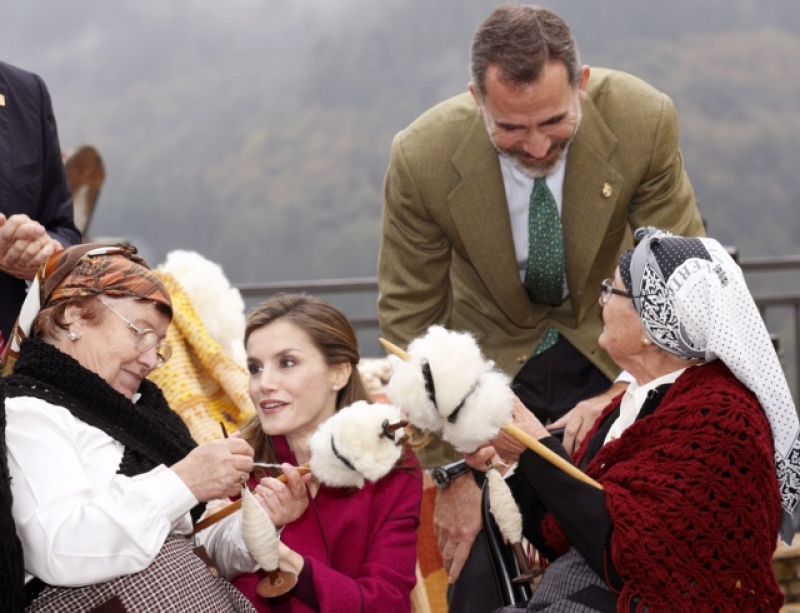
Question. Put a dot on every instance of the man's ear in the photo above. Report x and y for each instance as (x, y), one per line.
(584, 82)
(476, 95)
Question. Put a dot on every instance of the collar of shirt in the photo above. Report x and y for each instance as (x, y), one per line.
(632, 403)
(518, 188)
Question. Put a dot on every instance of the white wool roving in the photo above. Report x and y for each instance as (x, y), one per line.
(259, 532)
(218, 305)
(406, 388)
(504, 508)
(355, 434)
(456, 363)
(486, 409)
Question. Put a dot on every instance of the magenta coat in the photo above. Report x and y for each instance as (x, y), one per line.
(359, 546)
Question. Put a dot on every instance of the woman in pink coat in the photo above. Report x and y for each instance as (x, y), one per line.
(352, 549)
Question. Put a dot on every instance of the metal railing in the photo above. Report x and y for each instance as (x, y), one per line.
(780, 311)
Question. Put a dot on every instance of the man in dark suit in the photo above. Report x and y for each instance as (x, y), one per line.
(460, 247)
(35, 201)
(35, 221)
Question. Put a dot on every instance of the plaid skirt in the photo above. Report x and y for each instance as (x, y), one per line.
(176, 580)
(571, 586)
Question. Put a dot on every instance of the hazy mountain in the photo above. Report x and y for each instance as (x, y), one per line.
(258, 132)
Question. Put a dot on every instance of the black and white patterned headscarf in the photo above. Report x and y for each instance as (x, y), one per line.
(694, 303)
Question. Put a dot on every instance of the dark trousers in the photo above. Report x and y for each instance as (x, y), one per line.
(553, 382)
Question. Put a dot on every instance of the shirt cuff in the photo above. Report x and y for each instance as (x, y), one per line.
(167, 491)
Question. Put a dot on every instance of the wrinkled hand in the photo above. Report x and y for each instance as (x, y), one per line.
(482, 458)
(581, 418)
(24, 246)
(284, 502)
(457, 521)
(215, 469)
(509, 448)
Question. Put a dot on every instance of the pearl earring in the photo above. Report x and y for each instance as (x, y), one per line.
(73, 336)
(334, 388)
(646, 342)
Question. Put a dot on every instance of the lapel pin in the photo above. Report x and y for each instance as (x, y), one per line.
(607, 191)
(2, 100)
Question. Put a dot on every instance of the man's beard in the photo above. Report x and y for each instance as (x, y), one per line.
(532, 167)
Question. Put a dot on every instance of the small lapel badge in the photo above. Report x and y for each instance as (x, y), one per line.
(2, 100)
(607, 191)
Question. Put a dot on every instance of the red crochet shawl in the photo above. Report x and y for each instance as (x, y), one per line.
(693, 495)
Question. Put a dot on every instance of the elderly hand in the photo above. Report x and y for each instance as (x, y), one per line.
(581, 418)
(24, 246)
(216, 469)
(482, 458)
(457, 521)
(509, 448)
(284, 502)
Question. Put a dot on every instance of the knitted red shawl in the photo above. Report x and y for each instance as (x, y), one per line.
(693, 495)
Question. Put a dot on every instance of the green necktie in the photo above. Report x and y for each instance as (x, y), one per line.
(544, 278)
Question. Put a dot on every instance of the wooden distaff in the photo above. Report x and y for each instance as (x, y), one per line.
(235, 506)
(517, 433)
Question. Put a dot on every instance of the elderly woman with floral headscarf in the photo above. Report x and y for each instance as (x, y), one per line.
(698, 459)
(105, 478)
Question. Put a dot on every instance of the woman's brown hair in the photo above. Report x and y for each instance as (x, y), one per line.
(331, 332)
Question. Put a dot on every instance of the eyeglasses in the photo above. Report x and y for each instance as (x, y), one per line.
(606, 291)
(146, 339)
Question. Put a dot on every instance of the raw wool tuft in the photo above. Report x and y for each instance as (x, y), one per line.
(456, 363)
(356, 432)
(259, 532)
(407, 389)
(487, 409)
(375, 372)
(219, 305)
(504, 508)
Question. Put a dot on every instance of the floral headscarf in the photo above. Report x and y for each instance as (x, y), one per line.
(90, 269)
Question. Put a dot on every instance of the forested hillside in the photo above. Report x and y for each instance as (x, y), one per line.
(258, 132)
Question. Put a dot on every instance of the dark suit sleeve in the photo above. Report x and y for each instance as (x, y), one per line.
(55, 202)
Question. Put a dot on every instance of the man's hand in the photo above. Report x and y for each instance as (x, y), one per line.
(24, 246)
(457, 520)
(216, 469)
(581, 418)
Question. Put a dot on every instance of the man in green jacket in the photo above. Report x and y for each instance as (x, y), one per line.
(505, 208)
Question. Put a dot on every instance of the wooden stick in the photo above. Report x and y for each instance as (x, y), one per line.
(219, 515)
(394, 349)
(556, 460)
(518, 434)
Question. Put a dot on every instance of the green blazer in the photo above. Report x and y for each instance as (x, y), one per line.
(447, 253)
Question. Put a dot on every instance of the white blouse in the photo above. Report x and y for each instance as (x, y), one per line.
(632, 403)
(79, 521)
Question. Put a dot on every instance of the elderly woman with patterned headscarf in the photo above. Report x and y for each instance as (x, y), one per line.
(698, 459)
(105, 478)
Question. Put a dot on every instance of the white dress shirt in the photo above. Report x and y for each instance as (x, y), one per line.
(79, 521)
(518, 188)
